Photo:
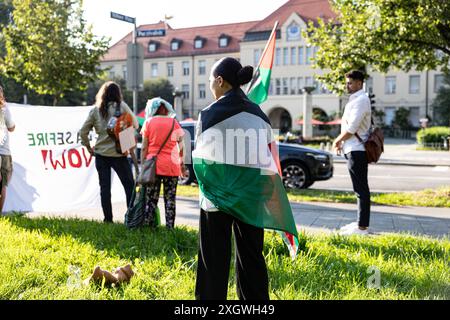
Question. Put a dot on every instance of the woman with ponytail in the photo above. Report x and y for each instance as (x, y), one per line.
(222, 169)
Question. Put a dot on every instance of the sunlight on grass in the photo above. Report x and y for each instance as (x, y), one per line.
(38, 258)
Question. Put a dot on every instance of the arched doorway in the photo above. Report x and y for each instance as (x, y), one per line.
(280, 119)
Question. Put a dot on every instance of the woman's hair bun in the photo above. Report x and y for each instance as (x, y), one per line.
(245, 75)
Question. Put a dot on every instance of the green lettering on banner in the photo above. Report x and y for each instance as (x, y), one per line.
(32, 143)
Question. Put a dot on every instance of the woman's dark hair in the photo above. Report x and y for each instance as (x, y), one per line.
(232, 71)
(109, 92)
(2, 97)
(355, 75)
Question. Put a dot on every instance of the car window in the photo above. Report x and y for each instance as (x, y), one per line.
(189, 130)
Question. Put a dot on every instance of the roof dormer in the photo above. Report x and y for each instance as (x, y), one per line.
(224, 40)
(153, 46)
(199, 42)
(175, 44)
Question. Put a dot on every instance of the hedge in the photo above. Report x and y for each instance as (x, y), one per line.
(433, 135)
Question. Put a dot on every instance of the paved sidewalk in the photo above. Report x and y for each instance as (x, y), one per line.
(403, 152)
(313, 217)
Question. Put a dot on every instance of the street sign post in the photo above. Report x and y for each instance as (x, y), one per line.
(135, 64)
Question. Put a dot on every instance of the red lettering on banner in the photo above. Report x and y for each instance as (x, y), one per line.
(71, 158)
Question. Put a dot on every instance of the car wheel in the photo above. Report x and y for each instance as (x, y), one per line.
(295, 176)
(189, 178)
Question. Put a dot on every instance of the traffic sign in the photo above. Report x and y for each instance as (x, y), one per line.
(122, 17)
(151, 33)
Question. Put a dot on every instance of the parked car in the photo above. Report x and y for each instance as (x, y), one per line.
(301, 166)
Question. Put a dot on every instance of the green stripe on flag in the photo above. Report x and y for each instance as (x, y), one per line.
(258, 94)
(250, 196)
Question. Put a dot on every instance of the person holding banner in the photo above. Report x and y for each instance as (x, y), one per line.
(109, 106)
(162, 132)
(7, 125)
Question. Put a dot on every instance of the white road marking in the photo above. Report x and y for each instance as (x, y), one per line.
(440, 169)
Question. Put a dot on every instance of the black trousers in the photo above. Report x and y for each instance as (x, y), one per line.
(122, 167)
(215, 254)
(358, 169)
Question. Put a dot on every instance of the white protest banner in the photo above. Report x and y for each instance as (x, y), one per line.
(52, 172)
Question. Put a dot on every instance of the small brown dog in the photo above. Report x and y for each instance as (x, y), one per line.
(121, 274)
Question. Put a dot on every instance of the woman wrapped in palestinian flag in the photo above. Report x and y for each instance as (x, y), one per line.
(241, 190)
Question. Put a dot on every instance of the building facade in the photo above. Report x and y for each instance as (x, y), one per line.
(185, 57)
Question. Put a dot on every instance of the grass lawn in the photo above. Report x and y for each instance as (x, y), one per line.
(426, 198)
(38, 256)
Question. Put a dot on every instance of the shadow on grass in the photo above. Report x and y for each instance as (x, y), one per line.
(339, 273)
(116, 239)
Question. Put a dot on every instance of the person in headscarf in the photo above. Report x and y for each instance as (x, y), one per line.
(162, 135)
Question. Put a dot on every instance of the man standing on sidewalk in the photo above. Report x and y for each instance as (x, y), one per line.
(356, 122)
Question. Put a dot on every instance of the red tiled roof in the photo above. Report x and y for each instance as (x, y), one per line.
(308, 10)
(235, 31)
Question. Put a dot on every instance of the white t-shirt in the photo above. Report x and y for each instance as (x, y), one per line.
(6, 123)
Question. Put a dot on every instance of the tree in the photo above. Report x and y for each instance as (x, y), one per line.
(49, 47)
(441, 104)
(401, 119)
(381, 34)
(155, 88)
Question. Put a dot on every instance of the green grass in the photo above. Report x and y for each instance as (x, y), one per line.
(36, 256)
(426, 198)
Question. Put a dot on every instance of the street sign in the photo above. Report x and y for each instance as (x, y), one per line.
(122, 17)
(151, 33)
(135, 66)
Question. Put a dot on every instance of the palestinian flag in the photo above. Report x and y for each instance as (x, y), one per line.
(236, 165)
(258, 89)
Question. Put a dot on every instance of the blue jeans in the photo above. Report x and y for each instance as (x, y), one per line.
(358, 168)
(123, 170)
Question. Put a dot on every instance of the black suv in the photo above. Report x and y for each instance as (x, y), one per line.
(301, 166)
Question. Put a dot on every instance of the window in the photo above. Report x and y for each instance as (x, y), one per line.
(175, 45)
(414, 84)
(389, 113)
(170, 69)
(277, 86)
(300, 85)
(369, 85)
(185, 68)
(438, 82)
(308, 55)
(293, 85)
(293, 56)
(285, 56)
(152, 47)
(390, 85)
(223, 41)
(256, 56)
(277, 56)
(185, 91)
(271, 87)
(293, 32)
(124, 72)
(202, 91)
(154, 68)
(414, 116)
(112, 75)
(202, 67)
(285, 86)
(301, 57)
(309, 82)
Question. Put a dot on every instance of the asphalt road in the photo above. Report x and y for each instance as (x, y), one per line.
(390, 178)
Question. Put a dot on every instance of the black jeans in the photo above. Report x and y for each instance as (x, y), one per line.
(358, 169)
(252, 281)
(122, 167)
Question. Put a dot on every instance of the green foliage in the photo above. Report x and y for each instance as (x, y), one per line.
(155, 88)
(38, 258)
(441, 104)
(401, 119)
(432, 135)
(381, 34)
(49, 47)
